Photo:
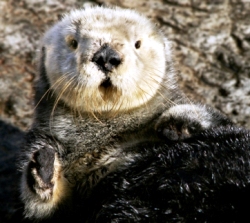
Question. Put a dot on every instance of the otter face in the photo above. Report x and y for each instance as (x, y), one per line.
(105, 60)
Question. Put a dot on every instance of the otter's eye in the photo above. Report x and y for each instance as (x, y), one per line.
(73, 44)
(138, 44)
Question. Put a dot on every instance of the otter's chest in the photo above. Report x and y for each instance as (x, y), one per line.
(86, 133)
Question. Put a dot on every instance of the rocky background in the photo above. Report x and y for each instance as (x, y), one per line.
(211, 42)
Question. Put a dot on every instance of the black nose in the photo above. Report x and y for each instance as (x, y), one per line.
(106, 58)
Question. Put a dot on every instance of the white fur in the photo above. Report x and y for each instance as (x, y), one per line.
(137, 79)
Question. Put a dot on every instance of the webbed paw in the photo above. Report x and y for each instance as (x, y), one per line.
(43, 185)
(40, 173)
(175, 129)
(184, 121)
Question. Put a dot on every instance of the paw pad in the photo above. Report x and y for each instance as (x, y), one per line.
(177, 127)
(40, 173)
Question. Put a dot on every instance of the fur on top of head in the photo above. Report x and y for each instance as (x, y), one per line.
(106, 60)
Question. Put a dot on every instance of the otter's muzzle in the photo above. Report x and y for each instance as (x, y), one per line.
(106, 58)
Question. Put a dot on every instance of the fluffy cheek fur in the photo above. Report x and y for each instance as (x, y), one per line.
(135, 81)
(77, 80)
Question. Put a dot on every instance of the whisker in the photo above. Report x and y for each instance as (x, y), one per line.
(58, 83)
(69, 82)
(148, 82)
(50, 89)
(76, 108)
(65, 87)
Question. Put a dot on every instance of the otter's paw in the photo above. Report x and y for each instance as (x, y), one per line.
(177, 128)
(40, 172)
(184, 121)
(43, 185)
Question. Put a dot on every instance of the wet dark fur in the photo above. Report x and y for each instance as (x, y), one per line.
(202, 179)
(11, 207)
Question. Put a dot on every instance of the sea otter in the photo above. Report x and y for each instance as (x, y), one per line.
(106, 84)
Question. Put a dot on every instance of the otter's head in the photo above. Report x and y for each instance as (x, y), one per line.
(105, 60)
